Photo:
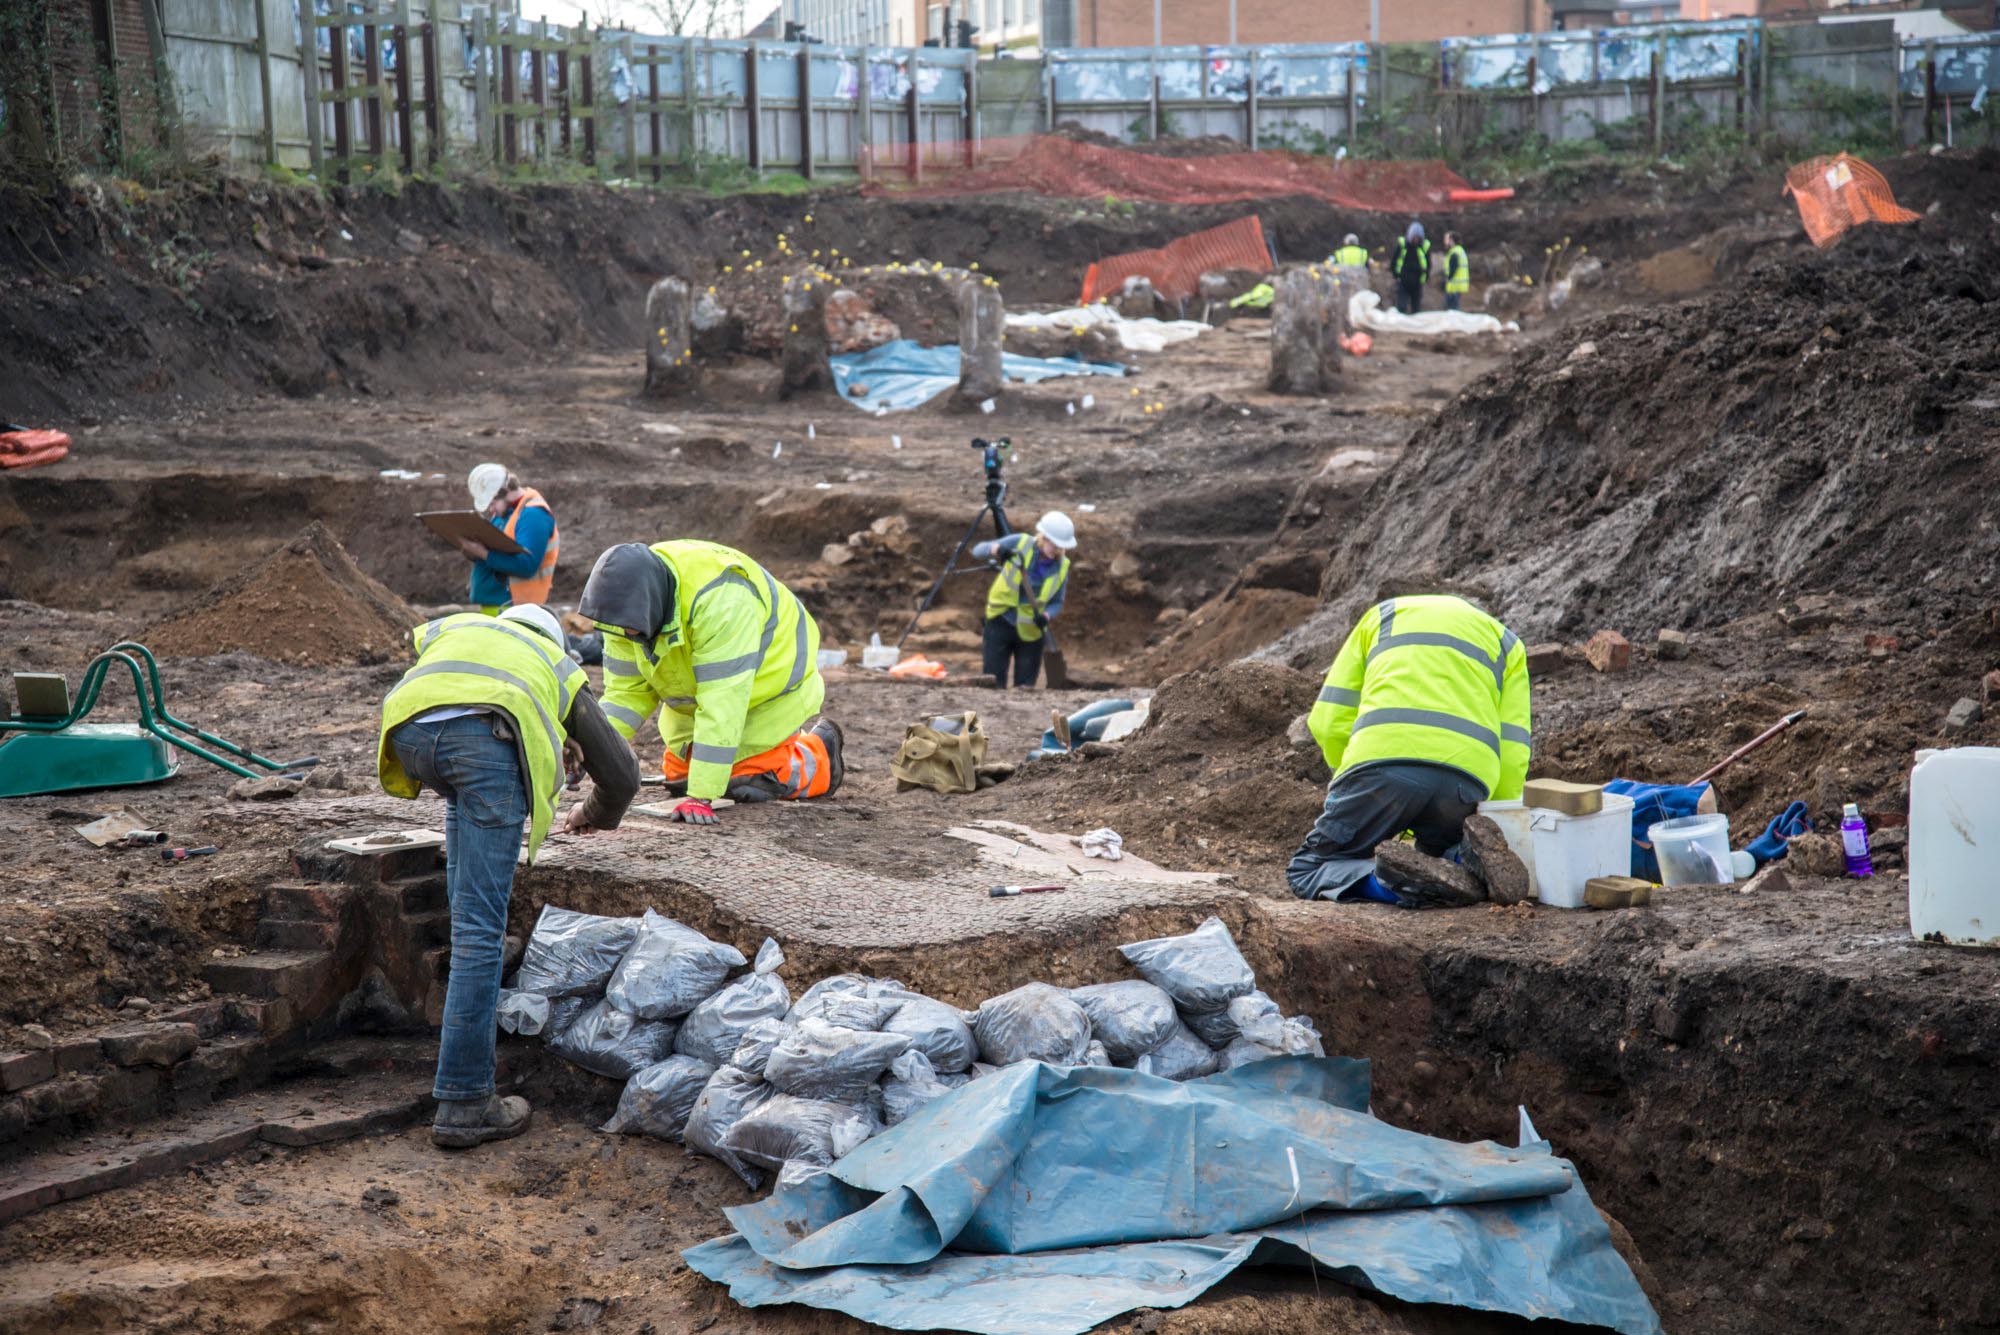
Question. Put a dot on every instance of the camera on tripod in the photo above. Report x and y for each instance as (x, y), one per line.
(996, 452)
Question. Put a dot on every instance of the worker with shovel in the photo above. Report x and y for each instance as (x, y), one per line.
(1025, 596)
(1423, 716)
(729, 658)
(501, 579)
(490, 717)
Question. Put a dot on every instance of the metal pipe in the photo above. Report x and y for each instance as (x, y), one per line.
(1749, 746)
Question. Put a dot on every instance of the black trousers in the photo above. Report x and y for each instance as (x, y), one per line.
(1002, 644)
(1376, 802)
(1409, 299)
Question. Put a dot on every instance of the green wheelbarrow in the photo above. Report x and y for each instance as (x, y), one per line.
(48, 748)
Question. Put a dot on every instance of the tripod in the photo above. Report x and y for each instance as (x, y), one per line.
(995, 506)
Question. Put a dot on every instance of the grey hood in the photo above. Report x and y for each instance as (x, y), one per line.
(629, 586)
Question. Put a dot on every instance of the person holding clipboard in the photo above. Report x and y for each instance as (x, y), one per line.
(501, 580)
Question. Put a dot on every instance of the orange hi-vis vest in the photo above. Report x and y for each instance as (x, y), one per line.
(537, 587)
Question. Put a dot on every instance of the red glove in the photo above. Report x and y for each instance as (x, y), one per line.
(694, 811)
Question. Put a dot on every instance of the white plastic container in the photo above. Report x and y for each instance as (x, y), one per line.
(1511, 815)
(832, 658)
(1693, 850)
(1955, 846)
(1570, 850)
(878, 656)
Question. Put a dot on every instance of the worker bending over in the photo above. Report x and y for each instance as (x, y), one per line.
(490, 717)
(1457, 272)
(730, 659)
(1352, 253)
(1423, 716)
(1412, 268)
(1025, 596)
(499, 579)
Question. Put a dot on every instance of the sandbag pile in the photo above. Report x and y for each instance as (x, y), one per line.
(741, 1072)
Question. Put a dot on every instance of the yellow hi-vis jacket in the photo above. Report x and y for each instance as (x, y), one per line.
(1009, 597)
(734, 673)
(473, 659)
(1457, 271)
(1429, 678)
(1357, 256)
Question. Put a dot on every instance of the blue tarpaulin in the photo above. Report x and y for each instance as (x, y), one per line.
(1043, 1200)
(903, 374)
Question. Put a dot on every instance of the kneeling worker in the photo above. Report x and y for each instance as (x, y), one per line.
(498, 578)
(485, 718)
(1351, 253)
(729, 657)
(1424, 715)
(1025, 596)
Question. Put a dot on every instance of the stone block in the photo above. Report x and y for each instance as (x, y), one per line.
(1962, 716)
(1488, 857)
(1608, 651)
(1307, 321)
(1544, 658)
(131, 1090)
(1989, 686)
(149, 1044)
(294, 976)
(209, 1018)
(1572, 799)
(18, 1070)
(1671, 1022)
(1432, 880)
(1671, 644)
(803, 361)
(269, 1018)
(1616, 892)
(78, 1054)
(270, 788)
(670, 365)
(982, 323)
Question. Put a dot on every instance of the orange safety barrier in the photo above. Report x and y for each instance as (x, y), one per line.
(25, 449)
(1054, 165)
(1836, 193)
(1175, 269)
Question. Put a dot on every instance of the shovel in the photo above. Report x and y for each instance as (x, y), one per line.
(1055, 667)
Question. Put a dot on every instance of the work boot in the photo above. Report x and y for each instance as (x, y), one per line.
(463, 1123)
(829, 732)
(1059, 725)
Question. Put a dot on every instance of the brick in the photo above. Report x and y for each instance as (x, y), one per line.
(1608, 651)
(218, 1063)
(209, 1018)
(1544, 658)
(315, 862)
(1616, 892)
(1880, 646)
(1572, 799)
(1671, 1022)
(149, 1044)
(424, 895)
(324, 1126)
(1989, 686)
(78, 1054)
(307, 901)
(292, 975)
(1670, 644)
(297, 934)
(268, 1018)
(130, 1089)
(18, 1070)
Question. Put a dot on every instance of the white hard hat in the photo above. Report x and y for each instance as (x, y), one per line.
(1351, 240)
(485, 482)
(541, 619)
(1055, 526)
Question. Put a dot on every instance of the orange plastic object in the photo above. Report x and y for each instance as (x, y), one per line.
(26, 449)
(1175, 269)
(1836, 193)
(916, 665)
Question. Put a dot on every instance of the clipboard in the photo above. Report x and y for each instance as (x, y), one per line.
(457, 524)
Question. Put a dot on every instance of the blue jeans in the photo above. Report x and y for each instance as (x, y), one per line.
(1087, 724)
(485, 802)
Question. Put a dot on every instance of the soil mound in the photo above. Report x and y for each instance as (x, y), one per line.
(307, 603)
(1824, 426)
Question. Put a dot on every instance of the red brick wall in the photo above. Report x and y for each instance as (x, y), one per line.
(77, 50)
(1196, 22)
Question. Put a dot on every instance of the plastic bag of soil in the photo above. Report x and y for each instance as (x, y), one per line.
(572, 954)
(1181, 1057)
(1097, 1055)
(1035, 1022)
(790, 1129)
(797, 1172)
(564, 1012)
(1294, 1036)
(610, 1042)
(759, 1041)
(729, 1096)
(670, 970)
(657, 1100)
(818, 1060)
(1202, 971)
(523, 1013)
(850, 1001)
(1130, 1018)
(1253, 1013)
(934, 1029)
(910, 1084)
(713, 1029)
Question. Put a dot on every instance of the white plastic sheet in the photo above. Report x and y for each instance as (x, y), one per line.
(1146, 335)
(1365, 311)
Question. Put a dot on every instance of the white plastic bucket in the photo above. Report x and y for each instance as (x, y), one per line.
(1570, 850)
(1511, 815)
(1955, 846)
(1693, 850)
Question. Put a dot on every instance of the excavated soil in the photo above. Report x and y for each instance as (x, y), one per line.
(307, 603)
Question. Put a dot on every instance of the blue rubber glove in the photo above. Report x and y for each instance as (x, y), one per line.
(1775, 842)
(1368, 890)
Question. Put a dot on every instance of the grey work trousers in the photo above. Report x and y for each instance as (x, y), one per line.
(1367, 805)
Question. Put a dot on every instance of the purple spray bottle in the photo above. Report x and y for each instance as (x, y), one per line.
(1854, 841)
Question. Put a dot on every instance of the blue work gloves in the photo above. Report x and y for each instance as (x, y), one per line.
(1368, 890)
(1775, 842)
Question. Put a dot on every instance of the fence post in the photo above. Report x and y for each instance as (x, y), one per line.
(691, 95)
(371, 107)
(805, 112)
(1153, 97)
(589, 61)
(1659, 94)
(1930, 92)
(1048, 92)
(654, 130)
(972, 112)
(755, 107)
(1534, 93)
(343, 106)
(434, 131)
(263, 81)
(916, 124)
(309, 77)
(864, 111)
(1252, 88)
(1352, 107)
(405, 117)
(1764, 83)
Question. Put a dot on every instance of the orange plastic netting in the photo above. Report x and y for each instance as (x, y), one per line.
(1175, 269)
(1059, 166)
(1836, 193)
